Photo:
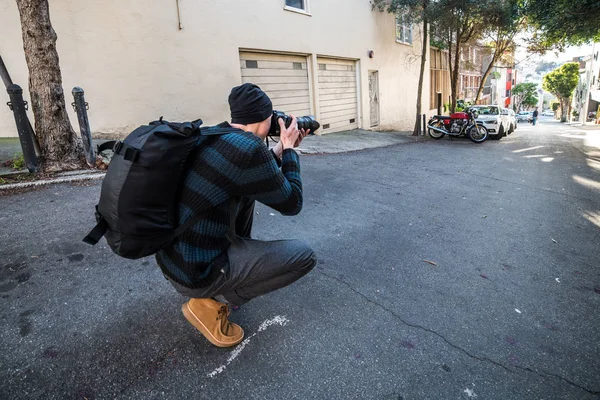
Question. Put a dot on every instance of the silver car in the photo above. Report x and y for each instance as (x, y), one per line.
(496, 119)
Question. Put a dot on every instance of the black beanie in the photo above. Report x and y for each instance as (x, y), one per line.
(249, 104)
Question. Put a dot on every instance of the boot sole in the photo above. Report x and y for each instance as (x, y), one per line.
(198, 324)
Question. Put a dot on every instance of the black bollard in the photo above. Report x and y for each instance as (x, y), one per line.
(19, 108)
(81, 107)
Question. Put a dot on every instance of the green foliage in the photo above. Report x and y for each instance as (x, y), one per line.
(554, 105)
(562, 81)
(495, 75)
(18, 161)
(525, 95)
(559, 23)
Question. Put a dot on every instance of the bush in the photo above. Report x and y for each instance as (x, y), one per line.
(18, 162)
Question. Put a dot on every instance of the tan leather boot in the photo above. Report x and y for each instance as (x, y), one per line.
(210, 318)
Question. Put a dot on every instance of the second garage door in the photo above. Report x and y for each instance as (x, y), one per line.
(337, 95)
(283, 77)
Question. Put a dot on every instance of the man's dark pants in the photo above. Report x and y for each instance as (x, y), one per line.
(255, 267)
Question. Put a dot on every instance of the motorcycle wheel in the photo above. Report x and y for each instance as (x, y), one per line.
(478, 133)
(435, 134)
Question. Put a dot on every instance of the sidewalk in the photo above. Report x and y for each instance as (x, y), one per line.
(339, 142)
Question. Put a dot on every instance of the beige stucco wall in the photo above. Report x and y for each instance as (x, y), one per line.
(136, 65)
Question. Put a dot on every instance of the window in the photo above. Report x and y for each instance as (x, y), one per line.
(299, 6)
(403, 30)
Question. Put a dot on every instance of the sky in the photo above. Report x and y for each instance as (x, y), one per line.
(529, 62)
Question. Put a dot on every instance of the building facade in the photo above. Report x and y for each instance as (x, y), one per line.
(586, 98)
(340, 61)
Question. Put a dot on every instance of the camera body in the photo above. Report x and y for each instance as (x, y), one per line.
(306, 123)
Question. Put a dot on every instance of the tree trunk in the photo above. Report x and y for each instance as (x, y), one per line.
(486, 75)
(59, 146)
(563, 110)
(421, 75)
(455, 75)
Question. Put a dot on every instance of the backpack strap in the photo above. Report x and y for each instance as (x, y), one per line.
(99, 230)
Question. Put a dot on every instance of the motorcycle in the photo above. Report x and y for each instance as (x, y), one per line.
(458, 124)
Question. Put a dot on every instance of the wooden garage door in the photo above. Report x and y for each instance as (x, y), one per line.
(337, 95)
(284, 78)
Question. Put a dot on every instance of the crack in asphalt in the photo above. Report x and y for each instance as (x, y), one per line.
(543, 373)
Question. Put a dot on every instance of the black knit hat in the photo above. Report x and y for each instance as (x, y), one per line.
(249, 104)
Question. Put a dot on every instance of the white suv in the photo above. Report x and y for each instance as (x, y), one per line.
(496, 119)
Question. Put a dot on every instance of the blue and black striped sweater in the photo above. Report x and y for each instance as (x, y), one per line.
(232, 165)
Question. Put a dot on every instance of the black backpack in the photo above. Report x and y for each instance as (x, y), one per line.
(137, 212)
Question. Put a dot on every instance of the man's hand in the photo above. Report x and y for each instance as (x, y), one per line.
(301, 136)
(289, 136)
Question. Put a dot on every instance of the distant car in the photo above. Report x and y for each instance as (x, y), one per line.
(524, 116)
(495, 118)
(548, 113)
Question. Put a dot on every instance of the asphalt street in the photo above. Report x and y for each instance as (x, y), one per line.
(447, 270)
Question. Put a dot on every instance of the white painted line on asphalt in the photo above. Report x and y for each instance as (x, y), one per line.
(530, 148)
(277, 320)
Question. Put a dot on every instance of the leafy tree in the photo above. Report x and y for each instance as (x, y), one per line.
(503, 21)
(559, 23)
(415, 11)
(562, 82)
(59, 146)
(525, 95)
(459, 23)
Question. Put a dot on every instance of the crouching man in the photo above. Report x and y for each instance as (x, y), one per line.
(217, 263)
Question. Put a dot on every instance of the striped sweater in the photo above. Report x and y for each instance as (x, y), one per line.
(232, 165)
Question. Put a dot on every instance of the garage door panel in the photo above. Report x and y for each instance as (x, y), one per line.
(290, 100)
(338, 85)
(273, 72)
(341, 126)
(339, 117)
(261, 80)
(284, 78)
(339, 79)
(275, 65)
(338, 107)
(338, 102)
(335, 67)
(336, 91)
(283, 87)
(337, 73)
(249, 55)
(334, 97)
(288, 94)
(337, 95)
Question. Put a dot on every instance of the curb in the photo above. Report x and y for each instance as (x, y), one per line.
(62, 179)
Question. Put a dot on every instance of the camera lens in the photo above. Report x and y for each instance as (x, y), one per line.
(306, 123)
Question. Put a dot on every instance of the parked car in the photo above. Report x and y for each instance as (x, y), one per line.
(512, 121)
(495, 118)
(524, 116)
(548, 113)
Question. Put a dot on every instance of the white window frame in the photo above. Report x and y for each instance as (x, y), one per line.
(400, 23)
(305, 11)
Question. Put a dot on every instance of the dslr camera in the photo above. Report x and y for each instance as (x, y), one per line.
(306, 123)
